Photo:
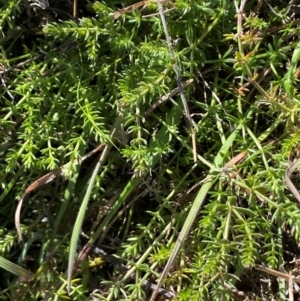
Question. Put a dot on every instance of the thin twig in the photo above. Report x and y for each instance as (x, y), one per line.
(176, 67)
(189, 120)
(75, 8)
(288, 181)
(276, 273)
(164, 98)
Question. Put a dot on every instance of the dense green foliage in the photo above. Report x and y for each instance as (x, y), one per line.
(69, 84)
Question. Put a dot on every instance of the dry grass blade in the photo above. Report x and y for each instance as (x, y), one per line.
(164, 98)
(276, 273)
(137, 5)
(48, 178)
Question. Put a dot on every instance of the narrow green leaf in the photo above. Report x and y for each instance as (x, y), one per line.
(195, 208)
(81, 213)
(14, 268)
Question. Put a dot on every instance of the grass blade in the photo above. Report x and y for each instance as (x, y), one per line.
(195, 208)
(14, 268)
(82, 210)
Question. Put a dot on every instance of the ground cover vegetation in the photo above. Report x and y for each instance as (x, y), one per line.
(109, 191)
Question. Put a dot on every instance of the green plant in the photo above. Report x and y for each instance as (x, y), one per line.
(105, 82)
